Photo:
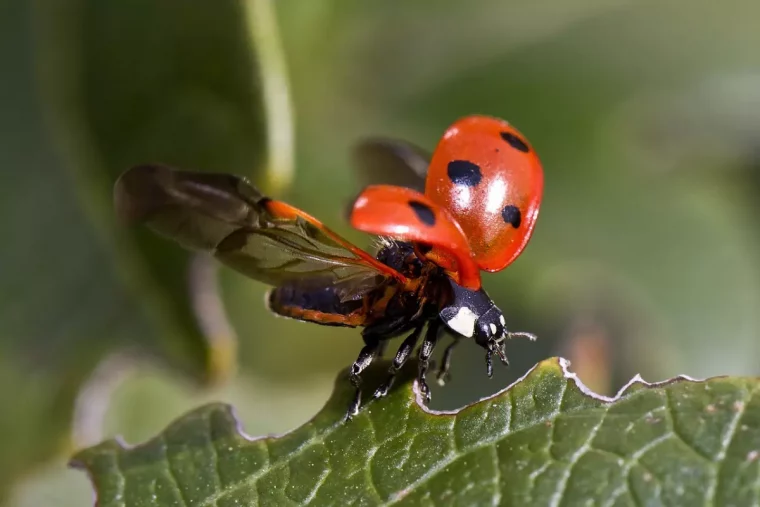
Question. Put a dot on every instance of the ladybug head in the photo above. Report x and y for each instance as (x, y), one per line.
(473, 314)
(489, 328)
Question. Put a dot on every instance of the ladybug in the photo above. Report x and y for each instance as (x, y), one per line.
(440, 220)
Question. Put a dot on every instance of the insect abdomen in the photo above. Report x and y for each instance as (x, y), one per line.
(321, 305)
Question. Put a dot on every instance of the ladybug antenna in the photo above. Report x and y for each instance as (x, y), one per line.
(522, 334)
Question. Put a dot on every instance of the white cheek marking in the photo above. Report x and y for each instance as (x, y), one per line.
(501, 319)
(463, 322)
(493, 328)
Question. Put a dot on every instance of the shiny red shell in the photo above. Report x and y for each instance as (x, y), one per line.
(486, 174)
(406, 214)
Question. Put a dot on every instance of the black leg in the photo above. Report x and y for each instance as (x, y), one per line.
(387, 329)
(404, 351)
(443, 375)
(426, 350)
(366, 356)
(382, 348)
(489, 363)
(499, 349)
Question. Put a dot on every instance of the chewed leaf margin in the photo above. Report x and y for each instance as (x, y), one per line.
(554, 440)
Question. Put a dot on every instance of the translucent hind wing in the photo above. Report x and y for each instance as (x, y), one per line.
(225, 215)
(198, 210)
(391, 161)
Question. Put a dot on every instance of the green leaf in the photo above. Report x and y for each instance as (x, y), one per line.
(545, 440)
(120, 84)
(191, 97)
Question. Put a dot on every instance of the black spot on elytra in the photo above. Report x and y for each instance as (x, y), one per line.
(462, 172)
(423, 212)
(511, 215)
(515, 142)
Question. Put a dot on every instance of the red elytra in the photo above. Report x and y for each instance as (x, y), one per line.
(406, 214)
(490, 180)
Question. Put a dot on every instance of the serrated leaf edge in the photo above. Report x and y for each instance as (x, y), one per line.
(561, 362)
(564, 365)
(235, 424)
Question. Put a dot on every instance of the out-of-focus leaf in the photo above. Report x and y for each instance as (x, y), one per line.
(54, 486)
(449, 39)
(706, 129)
(62, 307)
(120, 84)
(546, 440)
(187, 97)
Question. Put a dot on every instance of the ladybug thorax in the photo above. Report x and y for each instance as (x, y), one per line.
(491, 183)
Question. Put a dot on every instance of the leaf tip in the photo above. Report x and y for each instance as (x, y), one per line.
(92, 457)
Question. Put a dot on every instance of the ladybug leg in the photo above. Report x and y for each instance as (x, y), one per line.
(366, 356)
(426, 350)
(489, 363)
(443, 375)
(382, 348)
(404, 351)
(498, 347)
(376, 340)
(495, 347)
(500, 351)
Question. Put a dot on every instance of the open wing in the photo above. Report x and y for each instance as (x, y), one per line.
(391, 161)
(267, 240)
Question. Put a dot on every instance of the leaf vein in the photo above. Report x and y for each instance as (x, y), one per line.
(273, 465)
(574, 458)
(451, 457)
(368, 469)
(634, 460)
(172, 473)
(726, 440)
(214, 456)
(497, 477)
(674, 429)
(445, 461)
(122, 477)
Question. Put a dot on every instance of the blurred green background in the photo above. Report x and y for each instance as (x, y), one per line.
(646, 115)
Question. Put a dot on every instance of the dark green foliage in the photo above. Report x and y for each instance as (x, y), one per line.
(543, 441)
